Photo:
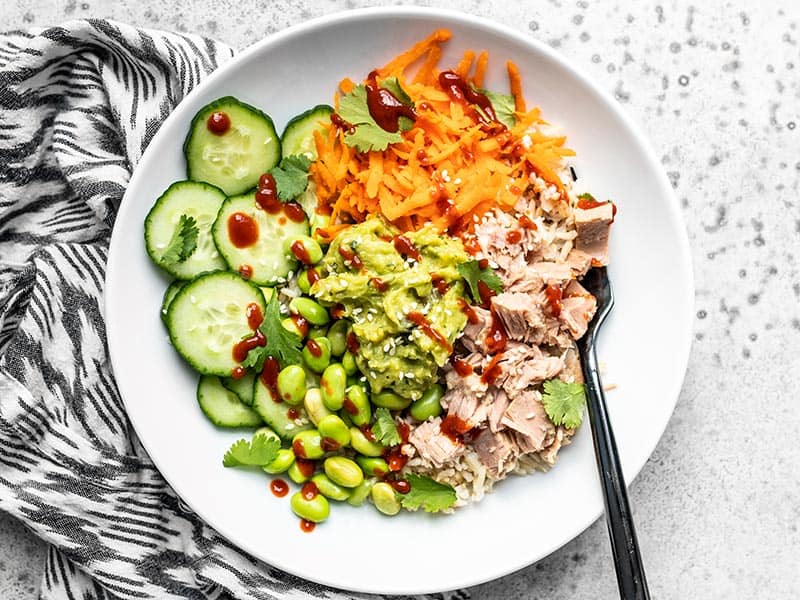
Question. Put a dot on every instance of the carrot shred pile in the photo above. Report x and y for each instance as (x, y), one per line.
(449, 167)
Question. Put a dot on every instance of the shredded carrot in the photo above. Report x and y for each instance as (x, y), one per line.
(450, 166)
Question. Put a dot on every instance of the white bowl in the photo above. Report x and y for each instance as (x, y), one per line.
(645, 344)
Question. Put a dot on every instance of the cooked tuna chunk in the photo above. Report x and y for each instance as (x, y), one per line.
(433, 445)
(572, 365)
(579, 261)
(496, 451)
(497, 403)
(524, 319)
(523, 366)
(576, 312)
(593, 226)
(474, 337)
(552, 272)
(526, 415)
(466, 406)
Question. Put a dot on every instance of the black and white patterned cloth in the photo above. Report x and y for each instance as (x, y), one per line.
(78, 105)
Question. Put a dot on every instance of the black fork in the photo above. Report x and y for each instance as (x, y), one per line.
(624, 546)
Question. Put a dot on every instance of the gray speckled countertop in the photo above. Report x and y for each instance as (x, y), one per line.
(716, 87)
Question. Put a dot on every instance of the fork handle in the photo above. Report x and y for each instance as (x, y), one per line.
(624, 545)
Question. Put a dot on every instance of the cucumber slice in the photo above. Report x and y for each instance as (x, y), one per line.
(267, 259)
(169, 296)
(235, 159)
(275, 414)
(298, 136)
(242, 387)
(193, 199)
(222, 406)
(208, 317)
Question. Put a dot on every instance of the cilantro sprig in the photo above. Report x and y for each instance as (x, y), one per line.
(472, 274)
(259, 452)
(427, 494)
(282, 344)
(564, 402)
(385, 429)
(503, 105)
(367, 134)
(291, 176)
(183, 241)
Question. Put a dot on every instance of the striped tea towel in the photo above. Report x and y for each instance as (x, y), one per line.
(78, 105)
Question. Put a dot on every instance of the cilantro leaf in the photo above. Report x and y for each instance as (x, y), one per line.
(282, 344)
(368, 135)
(291, 176)
(427, 494)
(564, 402)
(586, 196)
(393, 85)
(258, 453)
(183, 241)
(503, 105)
(385, 429)
(472, 274)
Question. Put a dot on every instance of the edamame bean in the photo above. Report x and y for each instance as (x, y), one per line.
(385, 499)
(337, 334)
(319, 221)
(296, 473)
(305, 249)
(290, 326)
(292, 384)
(362, 445)
(329, 488)
(343, 471)
(360, 492)
(333, 428)
(318, 331)
(310, 310)
(349, 363)
(390, 400)
(333, 384)
(271, 435)
(317, 509)
(373, 466)
(356, 405)
(314, 407)
(302, 282)
(429, 405)
(317, 354)
(281, 462)
(308, 444)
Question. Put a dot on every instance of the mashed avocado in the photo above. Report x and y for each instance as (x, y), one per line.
(403, 317)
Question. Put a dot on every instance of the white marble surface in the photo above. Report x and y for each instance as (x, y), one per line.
(716, 86)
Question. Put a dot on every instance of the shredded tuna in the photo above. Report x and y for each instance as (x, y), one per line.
(593, 227)
(433, 445)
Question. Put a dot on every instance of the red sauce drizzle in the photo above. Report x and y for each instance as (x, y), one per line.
(313, 275)
(294, 211)
(351, 408)
(246, 271)
(298, 449)
(440, 283)
(351, 257)
(238, 372)
(472, 316)
(341, 123)
(307, 526)
(309, 490)
(329, 444)
(422, 322)
(218, 123)
(314, 349)
(385, 107)
(497, 338)
(337, 311)
(401, 486)
(242, 230)
(553, 294)
(267, 194)
(379, 284)
(404, 430)
(269, 376)
(300, 252)
(514, 237)
(254, 316)
(352, 343)
(279, 487)
(406, 248)
(306, 467)
(367, 431)
(526, 222)
(472, 246)
(241, 348)
(396, 460)
(486, 293)
(301, 324)
(461, 366)
(460, 91)
(483, 263)
(493, 370)
(292, 413)
(454, 427)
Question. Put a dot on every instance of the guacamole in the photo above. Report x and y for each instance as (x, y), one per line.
(402, 294)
